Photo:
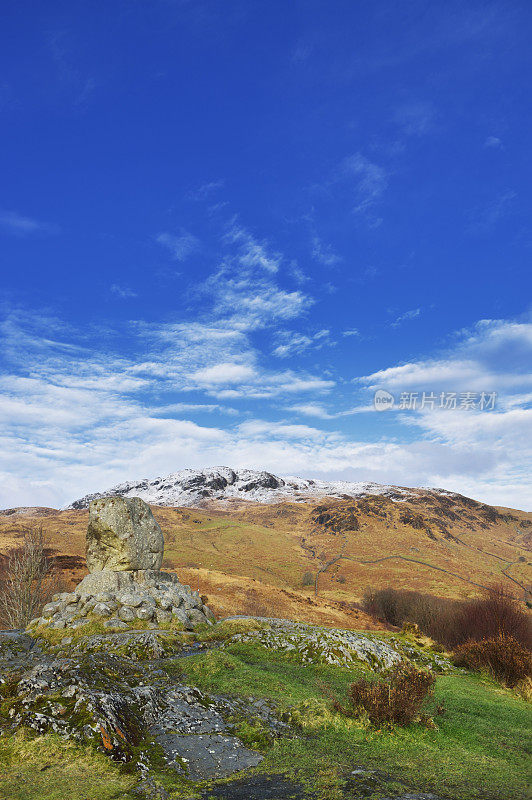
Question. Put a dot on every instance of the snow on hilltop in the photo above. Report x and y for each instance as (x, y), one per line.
(191, 487)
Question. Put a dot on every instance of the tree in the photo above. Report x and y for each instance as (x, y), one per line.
(25, 584)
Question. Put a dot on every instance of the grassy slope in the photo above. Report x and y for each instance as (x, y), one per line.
(266, 550)
(480, 750)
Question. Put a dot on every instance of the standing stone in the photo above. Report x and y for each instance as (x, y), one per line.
(123, 535)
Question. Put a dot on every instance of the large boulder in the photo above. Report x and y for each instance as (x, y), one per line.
(123, 535)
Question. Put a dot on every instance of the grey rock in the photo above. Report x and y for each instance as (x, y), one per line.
(122, 534)
(103, 609)
(180, 615)
(129, 597)
(211, 755)
(104, 597)
(126, 614)
(104, 581)
(196, 617)
(50, 609)
(163, 616)
(144, 612)
(164, 602)
(114, 622)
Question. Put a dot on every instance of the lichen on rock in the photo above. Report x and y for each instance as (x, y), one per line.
(123, 534)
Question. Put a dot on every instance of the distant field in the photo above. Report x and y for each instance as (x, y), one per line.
(251, 558)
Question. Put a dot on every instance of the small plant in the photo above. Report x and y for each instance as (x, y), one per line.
(502, 656)
(308, 579)
(397, 699)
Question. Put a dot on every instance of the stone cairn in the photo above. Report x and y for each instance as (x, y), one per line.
(124, 551)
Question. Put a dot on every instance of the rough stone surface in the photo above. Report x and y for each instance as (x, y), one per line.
(123, 535)
(122, 707)
(312, 644)
(119, 598)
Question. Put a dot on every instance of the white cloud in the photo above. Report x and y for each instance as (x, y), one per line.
(323, 253)
(180, 247)
(318, 411)
(206, 190)
(252, 253)
(124, 292)
(224, 374)
(415, 119)
(291, 343)
(412, 314)
(369, 180)
(493, 141)
(19, 225)
(483, 218)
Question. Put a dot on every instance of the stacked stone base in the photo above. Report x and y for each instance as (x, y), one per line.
(119, 599)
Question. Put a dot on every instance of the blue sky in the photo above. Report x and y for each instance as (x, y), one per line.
(224, 225)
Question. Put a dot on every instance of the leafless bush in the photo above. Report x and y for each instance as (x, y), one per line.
(503, 657)
(434, 615)
(308, 579)
(496, 614)
(453, 622)
(26, 580)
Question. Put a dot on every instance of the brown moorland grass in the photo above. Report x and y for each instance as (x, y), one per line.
(247, 556)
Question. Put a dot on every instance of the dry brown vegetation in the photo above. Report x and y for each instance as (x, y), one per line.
(247, 556)
(452, 622)
(26, 579)
(396, 699)
(502, 656)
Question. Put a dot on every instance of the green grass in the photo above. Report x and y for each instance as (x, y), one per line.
(481, 748)
(95, 627)
(51, 768)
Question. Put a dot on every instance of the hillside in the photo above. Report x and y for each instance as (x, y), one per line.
(248, 557)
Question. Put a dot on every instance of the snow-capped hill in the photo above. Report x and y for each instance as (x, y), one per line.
(191, 487)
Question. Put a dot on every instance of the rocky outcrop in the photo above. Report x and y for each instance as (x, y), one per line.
(131, 714)
(123, 535)
(121, 599)
(124, 586)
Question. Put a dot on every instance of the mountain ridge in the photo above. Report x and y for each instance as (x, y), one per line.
(194, 488)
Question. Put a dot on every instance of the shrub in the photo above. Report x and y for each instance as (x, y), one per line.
(398, 698)
(496, 614)
(434, 615)
(453, 622)
(503, 657)
(308, 579)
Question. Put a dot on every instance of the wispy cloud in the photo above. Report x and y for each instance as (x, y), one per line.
(291, 343)
(369, 181)
(416, 118)
(180, 246)
(252, 253)
(407, 315)
(206, 190)
(483, 218)
(323, 253)
(494, 141)
(124, 292)
(19, 225)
